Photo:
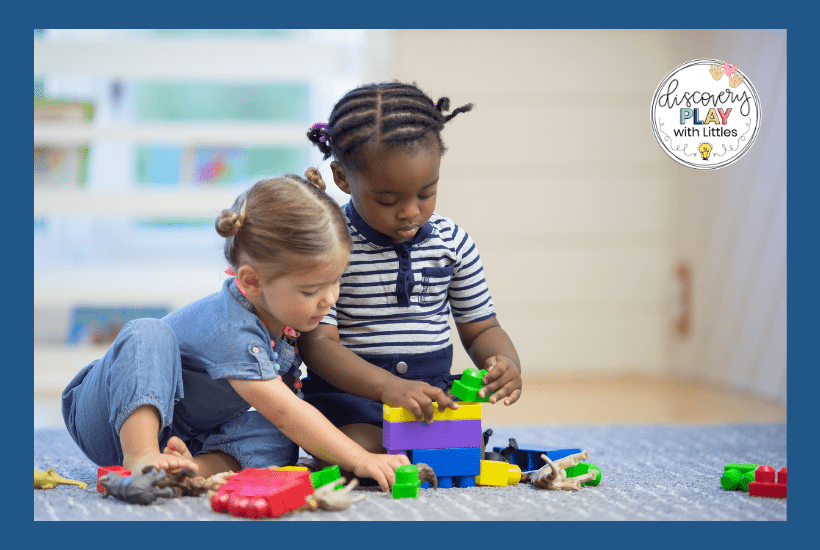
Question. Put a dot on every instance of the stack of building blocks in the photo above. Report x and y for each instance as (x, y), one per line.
(451, 445)
(737, 475)
(258, 492)
(764, 484)
(105, 470)
(407, 483)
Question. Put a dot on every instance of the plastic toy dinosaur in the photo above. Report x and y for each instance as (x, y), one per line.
(426, 473)
(184, 482)
(553, 475)
(327, 498)
(50, 479)
(137, 489)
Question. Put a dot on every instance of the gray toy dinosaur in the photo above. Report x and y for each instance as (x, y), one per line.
(136, 489)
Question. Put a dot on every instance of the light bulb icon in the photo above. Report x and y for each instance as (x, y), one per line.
(705, 149)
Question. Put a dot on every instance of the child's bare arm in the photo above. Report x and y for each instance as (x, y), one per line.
(490, 348)
(308, 428)
(322, 351)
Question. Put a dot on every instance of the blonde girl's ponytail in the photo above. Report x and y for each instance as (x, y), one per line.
(229, 222)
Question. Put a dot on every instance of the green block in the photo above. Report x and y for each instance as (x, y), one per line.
(467, 388)
(407, 482)
(745, 480)
(598, 475)
(737, 475)
(730, 480)
(328, 475)
(583, 468)
(742, 467)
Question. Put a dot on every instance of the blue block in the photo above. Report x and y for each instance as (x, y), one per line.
(530, 458)
(465, 481)
(445, 482)
(465, 461)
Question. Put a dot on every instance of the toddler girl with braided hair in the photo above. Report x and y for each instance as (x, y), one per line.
(387, 338)
(185, 383)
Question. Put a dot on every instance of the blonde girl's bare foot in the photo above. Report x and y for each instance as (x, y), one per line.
(177, 447)
(162, 461)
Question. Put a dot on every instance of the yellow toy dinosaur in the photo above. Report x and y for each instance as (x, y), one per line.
(50, 479)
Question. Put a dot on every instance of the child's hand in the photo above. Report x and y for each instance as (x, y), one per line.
(502, 377)
(417, 397)
(380, 467)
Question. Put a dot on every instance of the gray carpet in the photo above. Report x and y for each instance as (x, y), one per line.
(649, 473)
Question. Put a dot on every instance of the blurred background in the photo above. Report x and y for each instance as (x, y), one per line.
(635, 289)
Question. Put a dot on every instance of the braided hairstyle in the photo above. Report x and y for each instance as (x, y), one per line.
(283, 224)
(391, 113)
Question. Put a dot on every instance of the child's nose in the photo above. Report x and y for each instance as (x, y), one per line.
(329, 298)
(409, 211)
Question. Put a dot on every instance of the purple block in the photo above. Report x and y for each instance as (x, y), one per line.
(441, 434)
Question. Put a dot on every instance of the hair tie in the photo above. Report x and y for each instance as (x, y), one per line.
(322, 127)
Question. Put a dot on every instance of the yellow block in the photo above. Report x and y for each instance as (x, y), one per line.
(498, 474)
(466, 411)
(293, 469)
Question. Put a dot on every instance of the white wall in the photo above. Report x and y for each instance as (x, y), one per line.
(581, 217)
(731, 225)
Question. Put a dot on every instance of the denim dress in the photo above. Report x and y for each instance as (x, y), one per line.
(180, 365)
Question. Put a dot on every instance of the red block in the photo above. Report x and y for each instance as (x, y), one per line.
(764, 474)
(105, 470)
(764, 485)
(258, 492)
(771, 490)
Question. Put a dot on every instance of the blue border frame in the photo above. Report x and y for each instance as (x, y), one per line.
(371, 14)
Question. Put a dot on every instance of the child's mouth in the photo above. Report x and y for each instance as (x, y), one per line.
(408, 232)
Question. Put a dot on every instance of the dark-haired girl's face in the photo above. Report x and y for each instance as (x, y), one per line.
(395, 190)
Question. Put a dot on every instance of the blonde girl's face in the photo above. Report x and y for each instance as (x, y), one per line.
(302, 298)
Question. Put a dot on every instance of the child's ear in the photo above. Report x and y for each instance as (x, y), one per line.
(249, 279)
(340, 176)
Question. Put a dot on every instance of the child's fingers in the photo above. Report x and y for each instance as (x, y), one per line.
(498, 383)
(495, 368)
(428, 410)
(513, 397)
(379, 476)
(422, 405)
(415, 401)
(500, 394)
(440, 396)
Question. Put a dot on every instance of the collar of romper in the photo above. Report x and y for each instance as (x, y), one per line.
(380, 239)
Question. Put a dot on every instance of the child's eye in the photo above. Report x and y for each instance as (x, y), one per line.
(310, 294)
(386, 203)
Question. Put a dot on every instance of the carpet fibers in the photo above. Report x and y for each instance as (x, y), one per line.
(649, 472)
